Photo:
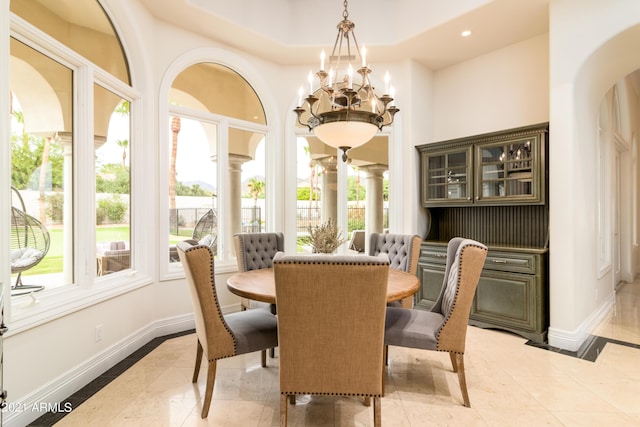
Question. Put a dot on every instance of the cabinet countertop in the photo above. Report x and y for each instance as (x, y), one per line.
(507, 248)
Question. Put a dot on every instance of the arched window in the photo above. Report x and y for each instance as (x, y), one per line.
(216, 130)
(70, 166)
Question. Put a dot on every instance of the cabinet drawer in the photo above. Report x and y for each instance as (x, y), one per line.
(512, 262)
(433, 255)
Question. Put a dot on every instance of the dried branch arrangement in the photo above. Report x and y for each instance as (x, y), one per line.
(325, 238)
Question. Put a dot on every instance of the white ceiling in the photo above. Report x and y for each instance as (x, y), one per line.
(294, 31)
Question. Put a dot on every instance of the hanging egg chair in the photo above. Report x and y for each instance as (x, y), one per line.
(206, 230)
(29, 244)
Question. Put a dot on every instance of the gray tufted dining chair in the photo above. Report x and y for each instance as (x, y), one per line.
(444, 328)
(220, 336)
(403, 251)
(255, 251)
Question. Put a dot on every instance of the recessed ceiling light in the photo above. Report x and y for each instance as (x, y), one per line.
(466, 33)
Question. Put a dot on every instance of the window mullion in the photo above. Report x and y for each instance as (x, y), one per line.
(84, 183)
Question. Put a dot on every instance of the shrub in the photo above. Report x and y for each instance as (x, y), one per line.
(54, 207)
(114, 209)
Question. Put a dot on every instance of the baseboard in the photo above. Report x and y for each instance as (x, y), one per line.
(573, 340)
(33, 405)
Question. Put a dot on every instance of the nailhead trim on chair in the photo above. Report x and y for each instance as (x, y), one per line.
(334, 262)
(330, 394)
(215, 296)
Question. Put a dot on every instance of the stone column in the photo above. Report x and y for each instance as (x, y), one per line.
(329, 190)
(375, 201)
(66, 138)
(235, 196)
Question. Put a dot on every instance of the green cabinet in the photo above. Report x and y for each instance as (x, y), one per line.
(447, 176)
(499, 168)
(492, 188)
(512, 291)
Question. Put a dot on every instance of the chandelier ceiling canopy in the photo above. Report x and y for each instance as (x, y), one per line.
(340, 112)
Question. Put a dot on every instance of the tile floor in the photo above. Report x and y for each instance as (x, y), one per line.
(510, 384)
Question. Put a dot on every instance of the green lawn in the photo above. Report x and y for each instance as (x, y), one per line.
(52, 262)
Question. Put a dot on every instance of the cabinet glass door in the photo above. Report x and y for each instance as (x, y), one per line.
(446, 177)
(507, 170)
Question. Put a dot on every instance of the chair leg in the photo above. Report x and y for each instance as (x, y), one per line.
(452, 355)
(462, 380)
(263, 355)
(273, 309)
(283, 410)
(292, 399)
(211, 379)
(386, 355)
(196, 371)
(377, 416)
(383, 380)
(367, 401)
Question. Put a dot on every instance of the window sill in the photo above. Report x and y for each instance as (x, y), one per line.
(175, 271)
(32, 310)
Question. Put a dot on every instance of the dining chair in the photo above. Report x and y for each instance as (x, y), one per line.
(256, 251)
(221, 336)
(331, 313)
(444, 328)
(403, 251)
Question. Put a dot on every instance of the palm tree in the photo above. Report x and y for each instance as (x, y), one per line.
(175, 130)
(123, 109)
(123, 143)
(256, 188)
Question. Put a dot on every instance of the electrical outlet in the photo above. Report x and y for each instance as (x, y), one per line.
(98, 333)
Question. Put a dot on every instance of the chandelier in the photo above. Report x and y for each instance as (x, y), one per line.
(342, 113)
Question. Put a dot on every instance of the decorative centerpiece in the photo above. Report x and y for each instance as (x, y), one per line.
(325, 238)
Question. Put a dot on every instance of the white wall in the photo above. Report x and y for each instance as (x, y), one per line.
(503, 89)
(592, 45)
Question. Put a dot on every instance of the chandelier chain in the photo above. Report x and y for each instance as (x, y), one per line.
(345, 13)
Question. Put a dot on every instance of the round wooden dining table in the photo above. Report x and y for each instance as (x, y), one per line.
(260, 285)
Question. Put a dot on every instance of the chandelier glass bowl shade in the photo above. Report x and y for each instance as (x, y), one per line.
(341, 112)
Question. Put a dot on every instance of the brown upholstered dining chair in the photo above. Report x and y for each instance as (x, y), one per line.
(255, 251)
(331, 311)
(403, 251)
(219, 335)
(444, 328)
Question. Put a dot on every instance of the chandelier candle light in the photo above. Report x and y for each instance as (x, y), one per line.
(344, 114)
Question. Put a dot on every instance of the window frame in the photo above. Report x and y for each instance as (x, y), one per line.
(226, 260)
(86, 289)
